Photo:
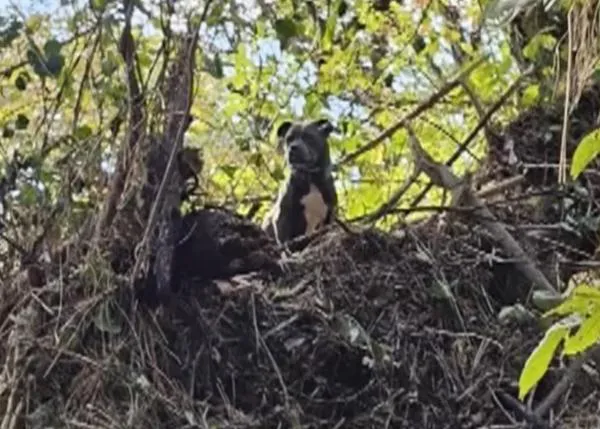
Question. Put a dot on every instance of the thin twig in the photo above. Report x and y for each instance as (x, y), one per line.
(442, 176)
(481, 125)
(427, 104)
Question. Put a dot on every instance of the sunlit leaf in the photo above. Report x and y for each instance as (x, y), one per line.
(587, 150)
(531, 95)
(330, 25)
(82, 132)
(537, 44)
(587, 335)
(539, 360)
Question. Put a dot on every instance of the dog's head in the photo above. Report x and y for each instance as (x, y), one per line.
(305, 145)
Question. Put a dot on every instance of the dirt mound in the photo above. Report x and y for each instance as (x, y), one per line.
(358, 330)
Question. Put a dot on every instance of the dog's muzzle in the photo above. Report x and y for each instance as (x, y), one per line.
(299, 155)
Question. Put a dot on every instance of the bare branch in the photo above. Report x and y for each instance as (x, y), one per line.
(427, 104)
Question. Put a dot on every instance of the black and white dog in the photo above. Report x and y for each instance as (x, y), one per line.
(307, 199)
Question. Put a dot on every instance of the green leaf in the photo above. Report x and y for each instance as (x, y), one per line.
(52, 47)
(9, 32)
(286, 30)
(574, 304)
(55, 64)
(230, 170)
(278, 173)
(21, 122)
(537, 44)
(587, 150)
(98, 5)
(539, 360)
(586, 336)
(216, 15)
(255, 159)
(330, 25)
(36, 62)
(531, 95)
(82, 132)
(587, 291)
(50, 63)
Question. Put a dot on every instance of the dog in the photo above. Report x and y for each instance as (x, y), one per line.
(307, 199)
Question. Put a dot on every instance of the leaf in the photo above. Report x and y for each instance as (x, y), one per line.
(98, 5)
(50, 63)
(55, 64)
(82, 132)
(537, 44)
(587, 149)
(10, 32)
(52, 47)
(216, 15)
(586, 291)
(539, 360)
(574, 304)
(33, 56)
(278, 173)
(330, 25)
(230, 170)
(586, 336)
(286, 30)
(531, 95)
(21, 122)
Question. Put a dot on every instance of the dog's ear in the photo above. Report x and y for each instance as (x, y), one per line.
(283, 129)
(281, 132)
(324, 127)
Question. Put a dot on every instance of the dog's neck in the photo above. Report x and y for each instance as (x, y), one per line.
(310, 172)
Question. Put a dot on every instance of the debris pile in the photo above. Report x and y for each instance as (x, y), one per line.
(359, 330)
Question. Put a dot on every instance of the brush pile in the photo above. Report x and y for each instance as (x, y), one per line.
(358, 330)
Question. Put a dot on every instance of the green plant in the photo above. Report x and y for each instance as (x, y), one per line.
(577, 330)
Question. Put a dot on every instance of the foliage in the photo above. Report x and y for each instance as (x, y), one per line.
(259, 63)
(587, 150)
(581, 310)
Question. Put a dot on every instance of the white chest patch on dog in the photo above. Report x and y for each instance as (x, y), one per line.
(315, 209)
